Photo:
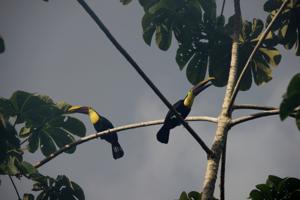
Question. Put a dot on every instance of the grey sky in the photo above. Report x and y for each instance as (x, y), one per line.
(56, 49)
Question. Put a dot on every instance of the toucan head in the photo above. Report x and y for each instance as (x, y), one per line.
(201, 86)
(194, 91)
(79, 109)
(93, 115)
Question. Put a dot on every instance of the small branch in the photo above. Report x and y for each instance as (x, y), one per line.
(223, 6)
(223, 165)
(261, 39)
(254, 116)
(143, 75)
(24, 141)
(254, 107)
(15, 187)
(117, 129)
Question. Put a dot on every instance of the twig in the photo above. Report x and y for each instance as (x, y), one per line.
(117, 129)
(142, 74)
(263, 36)
(251, 106)
(223, 167)
(24, 141)
(15, 187)
(223, 6)
(254, 116)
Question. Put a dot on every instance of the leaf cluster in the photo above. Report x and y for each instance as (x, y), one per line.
(204, 40)
(43, 122)
(193, 195)
(287, 26)
(277, 188)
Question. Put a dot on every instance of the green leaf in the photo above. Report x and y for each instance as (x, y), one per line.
(256, 195)
(74, 126)
(272, 55)
(33, 142)
(27, 168)
(273, 181)
(193, 195)
(291, 99)
(183, 56)
(46, 144)
(25, 132)
(7, 108)
(163, 37)
(2, 46)
(28, 196)
(197, 68)
(183, 196)
(77, 191)
(61, 138)
(298, 120)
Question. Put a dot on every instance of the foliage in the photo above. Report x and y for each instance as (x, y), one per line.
(291, 100)
(204, 40)
(37, 116)
(60, 188)
(42, 121)
(277, 188)
(193, 195)
(288, 24)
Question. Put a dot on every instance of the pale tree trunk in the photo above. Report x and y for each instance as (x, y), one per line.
(224, 118)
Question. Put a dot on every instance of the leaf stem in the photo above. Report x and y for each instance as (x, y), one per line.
(15, 187)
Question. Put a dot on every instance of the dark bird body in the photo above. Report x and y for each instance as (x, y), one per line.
(100, 124)
(183, 107)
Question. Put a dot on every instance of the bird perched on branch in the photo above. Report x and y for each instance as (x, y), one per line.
(101, 124)
(183, 107)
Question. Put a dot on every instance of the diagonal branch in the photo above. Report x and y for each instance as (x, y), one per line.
(117, 129)
(261, 39)
(142, 74)
(15, 187)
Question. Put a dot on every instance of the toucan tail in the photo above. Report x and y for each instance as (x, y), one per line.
(117, 150)
(163, 134)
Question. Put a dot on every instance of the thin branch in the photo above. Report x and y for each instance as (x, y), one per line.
(223, 165)
(263, 36)
(253, 107)
(223, 6)
(117, 129)
(24, 141)
(15, 187)
(254, 116)
(142, 74)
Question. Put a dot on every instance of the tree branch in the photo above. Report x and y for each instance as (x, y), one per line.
(15, 187)
(254, 116)
(261, 39)
(223, 6)
(142, 74)
(117, 129)
(251, 106)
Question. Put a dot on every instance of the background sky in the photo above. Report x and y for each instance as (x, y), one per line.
(56, 49)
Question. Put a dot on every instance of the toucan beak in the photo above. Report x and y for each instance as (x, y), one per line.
(202, 86)
(78, 109)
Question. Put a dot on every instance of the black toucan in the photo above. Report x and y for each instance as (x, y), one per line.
(182, 106)
(101, 124)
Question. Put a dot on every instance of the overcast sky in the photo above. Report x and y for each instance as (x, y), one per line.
(56, 49)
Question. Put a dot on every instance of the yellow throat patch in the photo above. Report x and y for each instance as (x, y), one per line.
(189, 99)
(94, 117)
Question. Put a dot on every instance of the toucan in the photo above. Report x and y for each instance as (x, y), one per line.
(100, 123)
(182, 106)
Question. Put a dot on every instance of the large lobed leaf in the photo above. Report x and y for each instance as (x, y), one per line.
(291, 100)
(43, 122)
(277, 188)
